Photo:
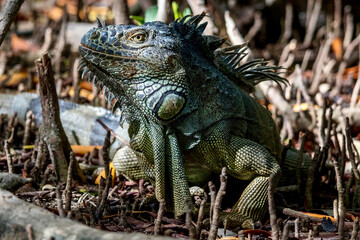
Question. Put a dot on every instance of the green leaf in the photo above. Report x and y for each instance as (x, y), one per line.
(175, 8)
(150, 14)
(186, 11)
(82, 190)
(138, 20)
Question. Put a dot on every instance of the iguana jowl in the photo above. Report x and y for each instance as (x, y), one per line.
(187, 103)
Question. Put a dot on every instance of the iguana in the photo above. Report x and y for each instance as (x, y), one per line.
(187, 103)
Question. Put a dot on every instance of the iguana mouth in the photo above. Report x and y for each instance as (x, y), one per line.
(90, 70)
(88, 50)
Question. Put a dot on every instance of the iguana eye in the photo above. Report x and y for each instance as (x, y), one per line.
(138, 37)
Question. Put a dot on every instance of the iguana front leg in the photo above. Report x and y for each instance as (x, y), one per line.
(244, 160)
(247, 160)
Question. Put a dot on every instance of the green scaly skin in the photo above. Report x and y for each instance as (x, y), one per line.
(189, 112)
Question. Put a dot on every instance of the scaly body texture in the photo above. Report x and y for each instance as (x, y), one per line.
(189, 112)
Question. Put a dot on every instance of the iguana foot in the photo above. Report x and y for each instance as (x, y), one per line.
(198, 194)
(236, 219)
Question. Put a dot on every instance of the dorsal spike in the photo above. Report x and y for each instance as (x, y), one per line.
(201, 27)
(197, 18)
(99, 23)
(214, 42)
(105, 24)
(184, 19)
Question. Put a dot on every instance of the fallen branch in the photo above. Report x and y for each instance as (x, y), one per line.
(296, 214)
(16, 214)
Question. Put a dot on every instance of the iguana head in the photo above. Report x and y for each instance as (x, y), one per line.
(137, 64)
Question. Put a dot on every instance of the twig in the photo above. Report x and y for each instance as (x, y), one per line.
(350, 150)
(212, 194)
(305, 60)
(285, 233)
(286, 130)
(337, 17)
(305, 94)
(219, 196)
(309, 9)
(28, 126)
(38, 153)
(355, 93)
(329, 127)
(29, 231)
(302, 139)
(12, 126)
(47, 40)
(341, 207)
(343, 64)
(241, 235)
(255, 28)
(197, 7)
(105, 192)
(47, 172)
(272, 211)
(349, 26)
(284, 151)
(296, 223)
(160, 214)
(200, 216)
(286, 51)
(113, 133)
(9, 157)
(289, 11)
(312, 23)
(348, 185)
(7, 16)
(59, 48)
(59, 201)
(310, 235)
(189, 225)
(322, 124)
(76, 78)
(355, 230)
(319, 64)
(116, 188)
(335, 209)
(121, 12)
(235, 36)
(68, 194)
(163, 8)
